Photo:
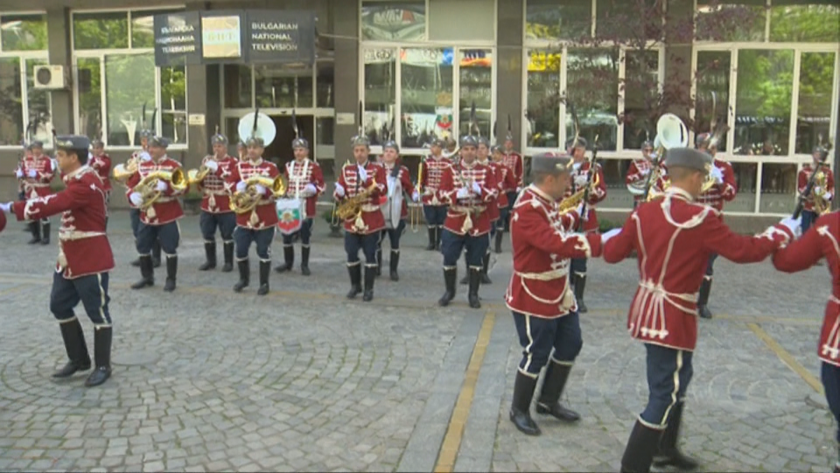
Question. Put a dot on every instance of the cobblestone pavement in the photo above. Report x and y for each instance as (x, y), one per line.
(303, 380)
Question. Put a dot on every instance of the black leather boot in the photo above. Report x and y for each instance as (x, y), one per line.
(438, 236)
(147, 273)
(449, 276)
(556, 376)
(432, 240)
(35, 228)
(520, 408)
(265, 270)
(370, 277)
(379, 262)
(45, 233)
(580, 287)
(244, 275)
(210, 253)
(394, 262)
(102, 356)
(485, 266)
(156, 254)
(499, 234)
(669, 454)
(288, 259)
(466, 279)
(475, 281)
(355, 280)
(136, 263)
(641, 445)
(227, 249)
(77, 352)
(171, 272)
(703, 298)
(304, 261)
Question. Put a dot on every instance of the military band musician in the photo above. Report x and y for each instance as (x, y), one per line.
(394, 205)
(507, 186)
(514, 162)
(133, 212)
(639, 170)
(35, 173)
(431, 171)
(823, 190)
(101, 163)
(215, 205)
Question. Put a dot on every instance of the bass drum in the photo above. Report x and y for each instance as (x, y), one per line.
(290, 214)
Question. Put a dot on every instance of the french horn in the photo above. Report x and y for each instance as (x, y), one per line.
(147, 187)
(247, 200)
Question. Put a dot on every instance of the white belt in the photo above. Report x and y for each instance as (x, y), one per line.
(370, 208)
(35, 184)
(77, 235)
(163, 200)
(465, 210)
(544, 276)
(651, 322)
(209, 192)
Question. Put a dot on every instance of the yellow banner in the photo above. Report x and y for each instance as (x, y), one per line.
(544, 61)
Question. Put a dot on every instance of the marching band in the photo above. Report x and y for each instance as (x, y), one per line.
(468, 199)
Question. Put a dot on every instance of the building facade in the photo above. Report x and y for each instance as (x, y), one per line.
(767, 69)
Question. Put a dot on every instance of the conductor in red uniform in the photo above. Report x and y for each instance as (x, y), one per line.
(674, 236)
(544, 308)
(84, 257)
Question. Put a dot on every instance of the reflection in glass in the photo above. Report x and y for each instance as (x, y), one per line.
(394, 20)
(592, 86)
(712, 78)
(641, 97)
(730, 20)
(778, 188)
(475, 82)
(281, 87)
(237, 87)
(745, 177)
(791, 21)
(325, 78)
(130, 83)
(38, 103)
(763, 101)
(90, 96)
(558, 19)
(143, 27)
(11, 111)
(633, 20)
(426, 96)
(380, 91)
(543, 108)
(23, 32)
(816, 77)
(173, 101)
(618, 197)
(107, 30)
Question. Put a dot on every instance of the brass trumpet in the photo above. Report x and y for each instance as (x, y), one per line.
(247, 200)
(147, 187)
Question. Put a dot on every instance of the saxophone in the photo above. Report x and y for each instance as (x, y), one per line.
(353, 205)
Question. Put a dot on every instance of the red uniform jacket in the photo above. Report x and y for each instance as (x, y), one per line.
(407, 188)
(513, 161)
(720, 193)
(371, 219)
(468, 215)
(638, 171)
(543, 244)
(674, 238)
(298, 175)
(102, 166)
(432, 173)
(493, 207)
(264, 214)
(821, 240)
(805, 176)
(216, 189)
(39, 186)
(579, 178)
(167, 208)
(506, 182)
(83, 246)
(2, 221)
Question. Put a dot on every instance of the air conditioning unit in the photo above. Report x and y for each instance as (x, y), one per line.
(50, 77)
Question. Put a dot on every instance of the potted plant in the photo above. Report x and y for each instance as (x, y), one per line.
(335, 227)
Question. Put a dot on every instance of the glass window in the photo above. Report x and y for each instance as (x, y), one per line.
(426, 95)
(792, 21)
(730, 20)
(778, 188)
(284, 87)
(394, 20)
(237, 86)
(232, 133)
(620, 19)
(11, 109)
(325, 79)
(558, 19)
(763, 101)
(324, 148)
(173, 102)
(90, 96)
(542, 109)
(475, 82)
(641, 97)
(130, 84)
(745, 177)
(592, 87)
(712, 93)
(380, 90)
(38, 103)
(23, 33)
(100, 30)
(143, 27)
(618, 197)
(816, 79)
(446, 20)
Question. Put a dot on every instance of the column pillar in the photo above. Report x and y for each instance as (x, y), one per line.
(345, 25)
(510, 22)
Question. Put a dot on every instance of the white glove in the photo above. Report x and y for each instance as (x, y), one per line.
(260, 189)
(463, 193)
(310, 189)
(144, 156)
(415, 196)
(645, 172)
(240, 186)
(793, 225)
(6, 207)
(19, 173)
(32, 173)
(605, 237)
(136, 199)
(476, 188)
(576, 166)
(339, 190)
(828, 196)
(212, 165)
(580, 180)
(362, 174)
(162, 186)
(817, 189)
(717, 174)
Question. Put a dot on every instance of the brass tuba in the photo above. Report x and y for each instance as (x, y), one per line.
(247, 200)
(147, 187)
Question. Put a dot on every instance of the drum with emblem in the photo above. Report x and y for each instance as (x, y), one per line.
(290, 215)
